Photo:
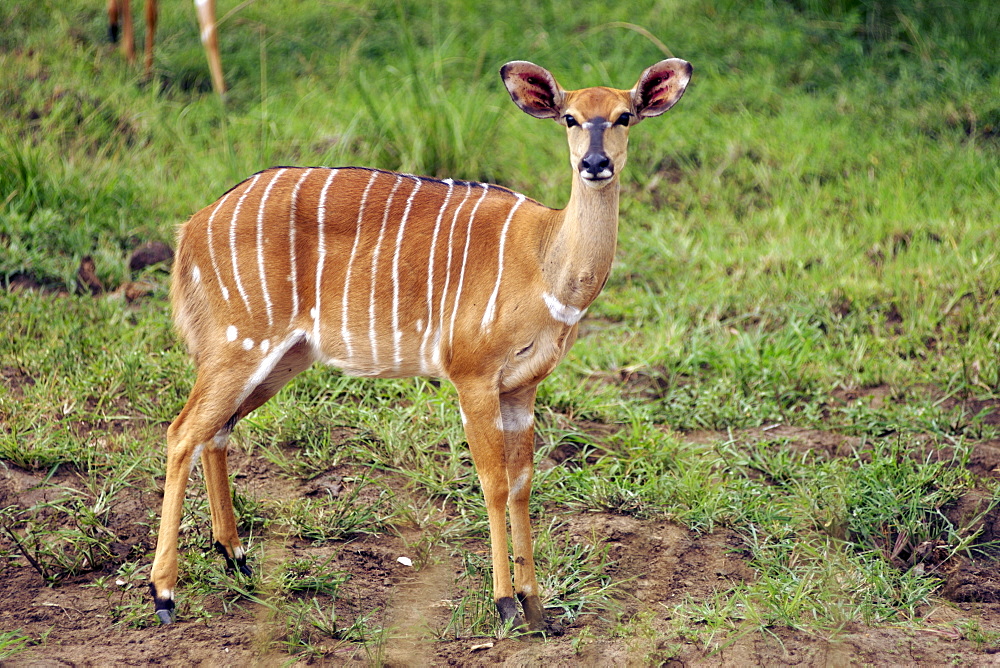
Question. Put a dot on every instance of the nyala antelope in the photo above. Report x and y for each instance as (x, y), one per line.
(120, 16)
(393, 275)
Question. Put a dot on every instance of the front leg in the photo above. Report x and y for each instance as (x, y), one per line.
(517, 411)
(484, 430)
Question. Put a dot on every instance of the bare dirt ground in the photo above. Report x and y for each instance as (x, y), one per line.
(657, 564)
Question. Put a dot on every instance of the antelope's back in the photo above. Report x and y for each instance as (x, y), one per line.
(380, 272)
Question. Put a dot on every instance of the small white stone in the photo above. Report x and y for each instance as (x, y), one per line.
(406, 561)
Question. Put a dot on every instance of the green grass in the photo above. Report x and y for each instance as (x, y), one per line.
(809, 239)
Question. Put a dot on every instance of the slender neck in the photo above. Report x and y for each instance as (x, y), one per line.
(578, 258)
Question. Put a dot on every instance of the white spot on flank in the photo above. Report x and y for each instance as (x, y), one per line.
(568, 315)
(247, 344)
(196, 274)
(231, 333)
(269, 362)
(491, 305)
(264, 345)
(345, 333)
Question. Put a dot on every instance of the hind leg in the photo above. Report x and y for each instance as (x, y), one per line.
(211, 402)
(224, 532)
(224, 393)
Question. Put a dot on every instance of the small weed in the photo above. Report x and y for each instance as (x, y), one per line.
(337, 517)
(973, 631)
(13, 643)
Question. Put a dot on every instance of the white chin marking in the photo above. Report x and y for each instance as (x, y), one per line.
(564, 313)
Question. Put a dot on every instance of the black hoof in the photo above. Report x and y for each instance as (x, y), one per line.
(508, 610)
(233, 565)
(113, 33)
(164, 607)
(534, 616)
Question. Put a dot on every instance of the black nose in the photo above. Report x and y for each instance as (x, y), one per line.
(595, 163)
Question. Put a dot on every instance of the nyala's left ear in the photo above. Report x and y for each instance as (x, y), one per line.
(660, 86)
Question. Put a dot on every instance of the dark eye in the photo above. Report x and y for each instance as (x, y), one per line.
(624, 119)
(570, 121)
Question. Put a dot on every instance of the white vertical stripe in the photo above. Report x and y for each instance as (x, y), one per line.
(293, 259)
(397, 335)
(268, 306)
(491, 305)
(436, 356)
(424, 367)
(232, 241)
(345, 333)
(321, 240)
(465, 258)
(374, 273)
(211, 246)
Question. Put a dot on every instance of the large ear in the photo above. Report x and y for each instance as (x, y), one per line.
(533, 89)
(660, 86)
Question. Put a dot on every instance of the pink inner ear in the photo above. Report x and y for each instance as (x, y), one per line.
(658, 87)
(537, 90)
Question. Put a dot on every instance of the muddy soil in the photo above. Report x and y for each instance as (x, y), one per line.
(657, 564)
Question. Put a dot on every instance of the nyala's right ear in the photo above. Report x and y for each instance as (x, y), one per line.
(533, 89)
